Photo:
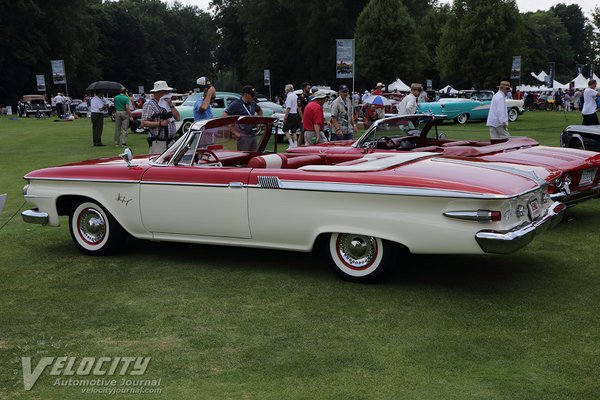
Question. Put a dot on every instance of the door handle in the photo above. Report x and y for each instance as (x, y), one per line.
(236, 185)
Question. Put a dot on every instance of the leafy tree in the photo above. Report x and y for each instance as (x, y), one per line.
(388, 44)
(579, 31)
(430, 30)
(478, 41)
(547, 40)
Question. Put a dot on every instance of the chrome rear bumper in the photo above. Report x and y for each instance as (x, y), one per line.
(34, 216)
(572, 198)
(508, 242)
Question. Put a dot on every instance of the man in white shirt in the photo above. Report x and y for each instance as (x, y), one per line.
(497, 120)
(291, 120)
(408, 105)
(97, 107)
(59, 100)
(588, 111)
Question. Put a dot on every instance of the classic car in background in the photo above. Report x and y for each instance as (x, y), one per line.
(220, 103)
(475, 107)
(585, 137)
(202, 190)
(81, 110)
(420, 133)
(34, 104)
(2, 201)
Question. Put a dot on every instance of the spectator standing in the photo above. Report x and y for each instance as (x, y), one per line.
(303, 100)
(159, 116)
(291, 120)
(313, 120)
(408, 105)
(342, 116)
(558, 100)
(59, 101)
(245, 105)
(202, 106)
(97, 108)
(122, 113)
(378, 91)
(567, 100)
(497, 120)
(577, 100)
(588, 111)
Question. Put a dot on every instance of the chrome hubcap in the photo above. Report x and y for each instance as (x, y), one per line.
(356, 250)
(92, 226)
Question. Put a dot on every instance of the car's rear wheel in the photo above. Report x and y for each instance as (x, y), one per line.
(461, 119)
(94, 230)
(513, 114)
(360, 258)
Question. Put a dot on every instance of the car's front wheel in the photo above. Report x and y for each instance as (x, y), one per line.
(360, 258)
(513, 114)
(461, 119)
(186, 126)
(94, 230)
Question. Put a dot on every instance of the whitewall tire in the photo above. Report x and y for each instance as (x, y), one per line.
(513, 114)
(461, 119)
(94, 230)
(360, 258)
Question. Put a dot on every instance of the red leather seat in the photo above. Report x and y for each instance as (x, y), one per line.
(268, 161)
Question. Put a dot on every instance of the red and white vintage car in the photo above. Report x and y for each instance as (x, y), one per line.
(360, 208)
(418, 133)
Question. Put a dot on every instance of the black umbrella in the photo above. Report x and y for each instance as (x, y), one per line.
(105, 85)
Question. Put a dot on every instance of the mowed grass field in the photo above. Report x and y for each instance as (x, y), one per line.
(237, 323)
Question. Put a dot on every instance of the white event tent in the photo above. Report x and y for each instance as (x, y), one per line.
(399, 86)
(448, 89)
(580, 82)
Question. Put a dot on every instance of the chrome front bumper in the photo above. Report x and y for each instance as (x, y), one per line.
(572, 198)
(34, 216)
(508, 242)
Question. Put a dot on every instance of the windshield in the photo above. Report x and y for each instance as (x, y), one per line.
(209, 141)
(395, 127)
(191, 99)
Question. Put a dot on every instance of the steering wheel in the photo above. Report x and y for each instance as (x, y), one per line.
(385, 141)
(408, 142)
(206, 155)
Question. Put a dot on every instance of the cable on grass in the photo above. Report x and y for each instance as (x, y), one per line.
(12, 216)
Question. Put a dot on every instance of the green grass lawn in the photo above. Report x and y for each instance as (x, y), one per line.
(233, 323)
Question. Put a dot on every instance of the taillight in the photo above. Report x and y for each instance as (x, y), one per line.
(478, 216)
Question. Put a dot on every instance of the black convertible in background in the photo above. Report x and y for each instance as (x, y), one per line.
(585, 137)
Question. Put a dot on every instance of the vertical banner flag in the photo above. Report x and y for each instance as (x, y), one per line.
(551, 72)
(267, 77)
(344, 59)
(429, 84)
(578, 69)
(591, 71)
(515, 71)
(58, 71)
(40, 82)
(141, 89)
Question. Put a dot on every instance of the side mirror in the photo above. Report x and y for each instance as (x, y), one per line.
(442, 136)
(127, 156)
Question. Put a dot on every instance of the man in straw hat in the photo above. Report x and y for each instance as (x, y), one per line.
(408, 105)
(313, 120)
(159, 115)
(497, 120)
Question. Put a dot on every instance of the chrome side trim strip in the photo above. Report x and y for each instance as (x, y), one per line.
(83, 180)
(186, 184)
(390, 190)
(478, 216)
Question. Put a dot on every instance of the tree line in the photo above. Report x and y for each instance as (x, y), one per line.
(468, 43)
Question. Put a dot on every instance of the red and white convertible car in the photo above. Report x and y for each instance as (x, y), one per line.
(360, 208)
(418, 133)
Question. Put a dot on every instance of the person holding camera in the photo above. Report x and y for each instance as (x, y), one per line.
(159, 116)
(202, 106)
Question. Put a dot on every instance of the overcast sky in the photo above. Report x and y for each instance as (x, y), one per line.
(524, 5)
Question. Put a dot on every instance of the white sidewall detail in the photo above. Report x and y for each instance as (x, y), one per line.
(333, 250)
(75, 226)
